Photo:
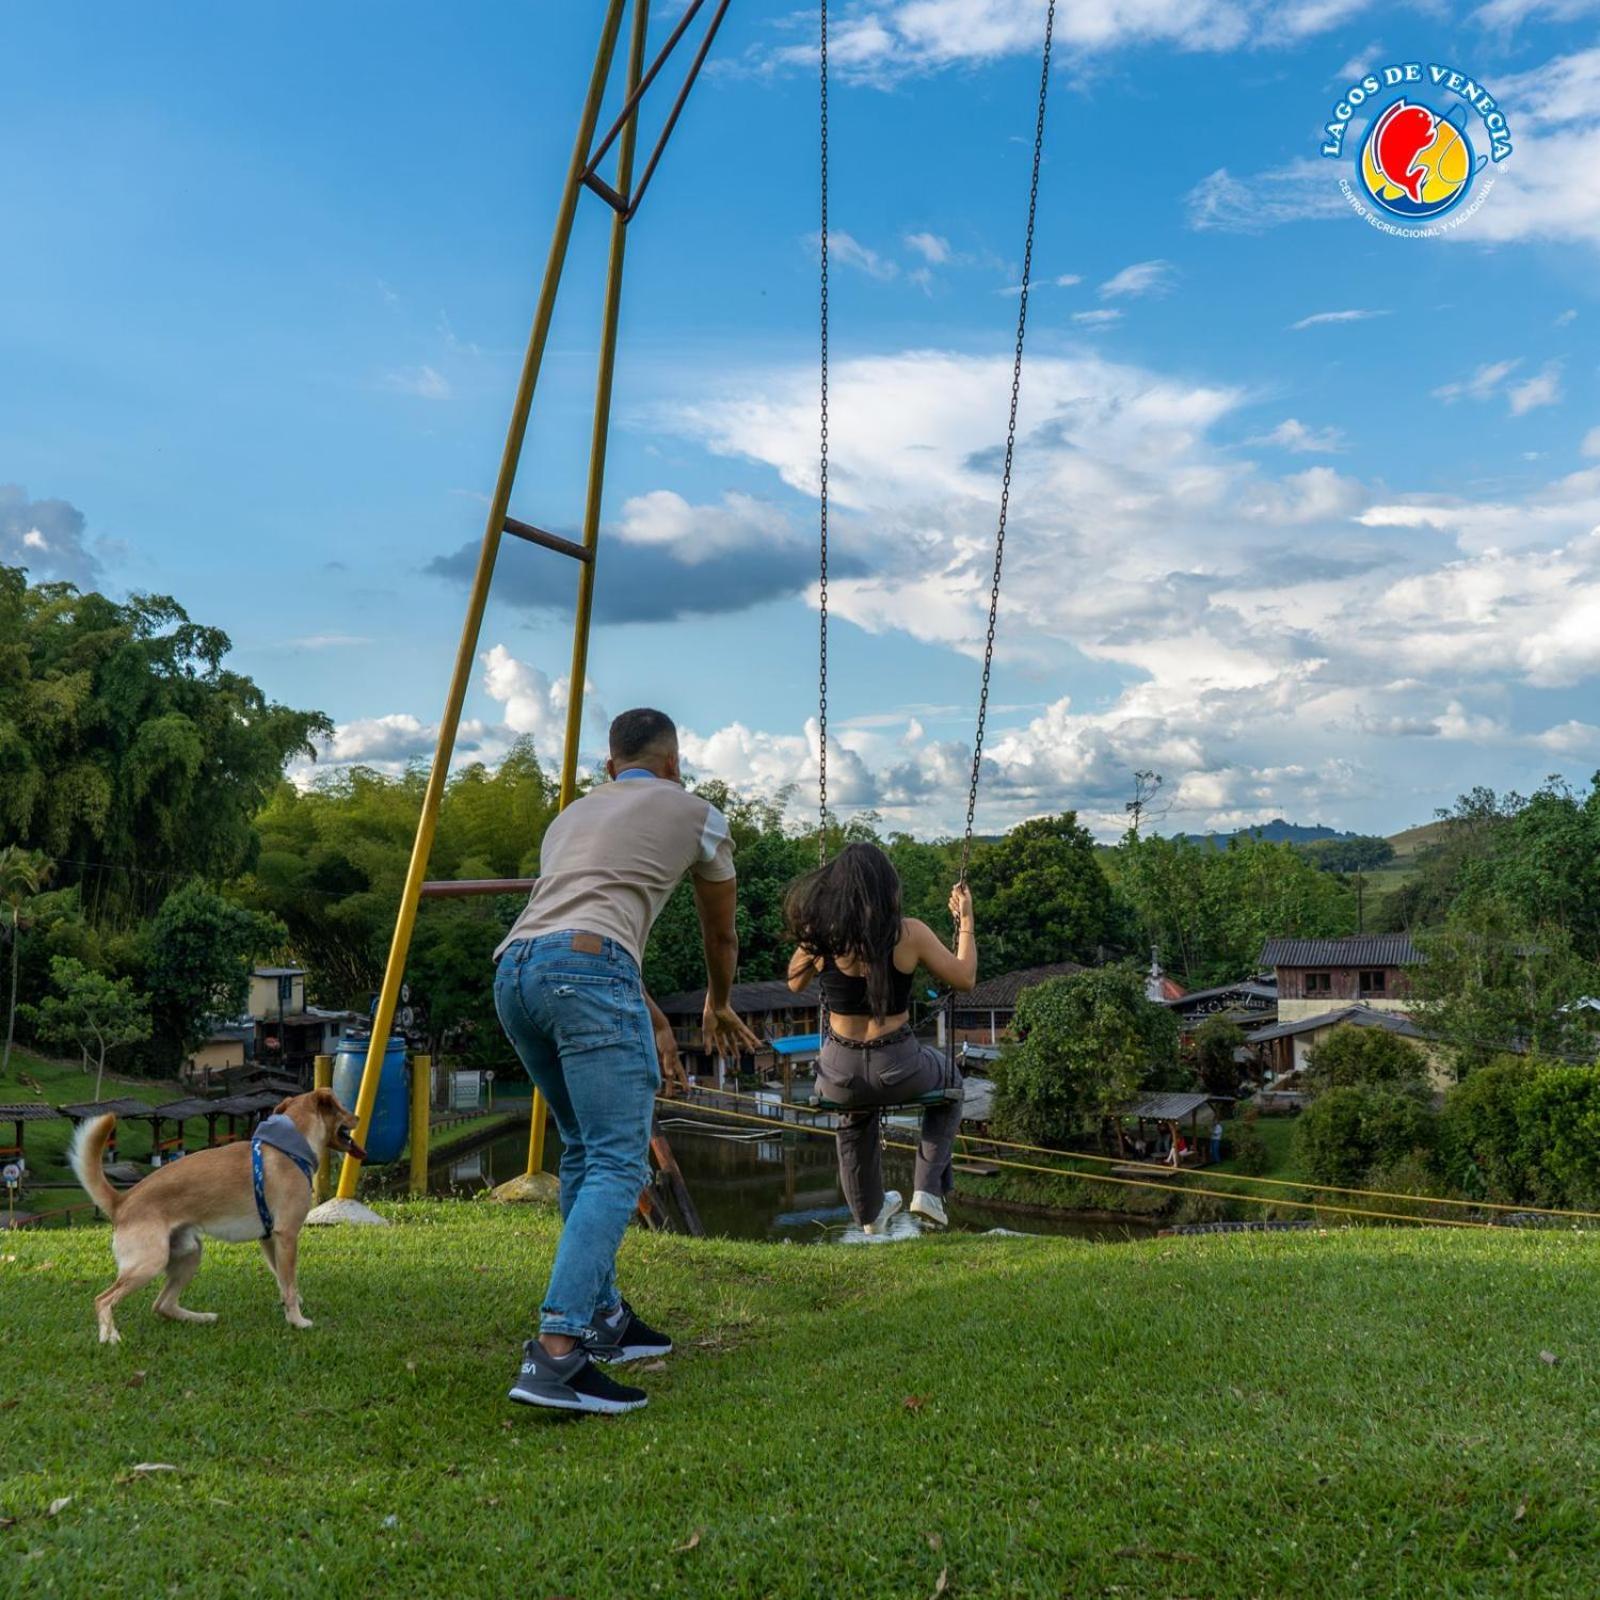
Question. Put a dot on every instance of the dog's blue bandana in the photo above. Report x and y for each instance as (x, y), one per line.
(282, 1135)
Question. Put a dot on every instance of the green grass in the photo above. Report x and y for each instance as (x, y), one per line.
(64, 1083)
(1305, 1415)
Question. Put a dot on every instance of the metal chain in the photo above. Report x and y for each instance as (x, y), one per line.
(1011, 441)
(822, 681)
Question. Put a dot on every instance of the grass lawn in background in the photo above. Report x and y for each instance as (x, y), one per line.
(1366, 1413)
(38, 1079)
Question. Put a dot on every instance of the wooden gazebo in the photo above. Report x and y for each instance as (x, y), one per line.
(17, 1115)
(168, 1147)
(125, 1110)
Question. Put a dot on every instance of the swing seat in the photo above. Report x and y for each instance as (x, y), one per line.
(934, 1097)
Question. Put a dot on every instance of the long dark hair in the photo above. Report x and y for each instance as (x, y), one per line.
(851, 909)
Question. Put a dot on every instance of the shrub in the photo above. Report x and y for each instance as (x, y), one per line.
(1343, 1133)
(1480, 1134)
(1215, 1042)
(1352, 1056)
(1247, 1149)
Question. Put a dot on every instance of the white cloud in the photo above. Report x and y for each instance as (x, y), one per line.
(1544, 389)
(1319, 319)
(1240, 612)
(422, 383)
(1489, 379)
(1067, 280)
(1566, 317)
(883, 41)
(1292, 434)
(846, 251)
(1096, 319)
(930, 246)
(1591, 442)
(1485, 380)
(694, 533)
(1298, 191)
(1142, 278)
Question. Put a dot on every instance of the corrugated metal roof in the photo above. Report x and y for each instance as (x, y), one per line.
(1169, 1107)
(1260, 988)
(1001, 992)
(28, 1111)
(771, 995)
(1360, 1016)
(100, 1108)
(1354, 950)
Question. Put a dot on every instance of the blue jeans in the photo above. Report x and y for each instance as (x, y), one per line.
(579, 1024)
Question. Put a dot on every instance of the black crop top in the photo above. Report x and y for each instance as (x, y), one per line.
(845, 995)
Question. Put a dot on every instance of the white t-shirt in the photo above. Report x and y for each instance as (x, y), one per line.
(611, 860)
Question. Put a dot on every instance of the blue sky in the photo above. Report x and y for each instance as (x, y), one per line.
(270, 271)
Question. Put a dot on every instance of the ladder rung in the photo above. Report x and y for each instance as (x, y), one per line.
(456, 888)
(550, 541)
(599, 185)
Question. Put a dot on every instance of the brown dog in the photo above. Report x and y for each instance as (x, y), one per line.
(157, 1224)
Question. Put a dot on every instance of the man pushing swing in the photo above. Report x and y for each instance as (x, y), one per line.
(569, 996)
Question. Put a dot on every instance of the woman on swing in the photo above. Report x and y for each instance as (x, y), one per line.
(845, 918)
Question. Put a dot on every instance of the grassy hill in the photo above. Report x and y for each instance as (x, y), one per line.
(1351, 1414)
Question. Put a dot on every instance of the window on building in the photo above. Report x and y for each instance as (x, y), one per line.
(1374, 982)
(1319, 983)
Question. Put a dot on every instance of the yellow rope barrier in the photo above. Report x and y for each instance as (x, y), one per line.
(1130, 1183)
(1231, 1177)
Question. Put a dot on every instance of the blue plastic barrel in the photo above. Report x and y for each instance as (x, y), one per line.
(386, 1138)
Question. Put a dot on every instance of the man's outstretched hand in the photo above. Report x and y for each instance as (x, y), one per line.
(726, 1034)
(674, 1082)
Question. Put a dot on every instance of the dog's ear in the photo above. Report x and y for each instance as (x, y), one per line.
(282, 1106)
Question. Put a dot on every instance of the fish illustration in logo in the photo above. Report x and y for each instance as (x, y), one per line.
(1402, 134)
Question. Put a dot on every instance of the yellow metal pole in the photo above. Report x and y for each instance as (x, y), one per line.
(322, 1078)
(598, 438)
(421, 1082)
(602, 420)
(466, 652)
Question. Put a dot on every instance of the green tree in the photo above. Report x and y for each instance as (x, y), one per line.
(1480, 1137)
(1360, 853)
(1364, 1056)
(1209, 911)
(1216, 1045)
(198, 953)
(1040, 896)
(128, 750)
(1345, 1133)
(92, 1011)
(23, 873)
(1086, 1043)
(1491, 981)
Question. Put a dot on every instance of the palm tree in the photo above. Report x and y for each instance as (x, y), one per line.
(23, 873)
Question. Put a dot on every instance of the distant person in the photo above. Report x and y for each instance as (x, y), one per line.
(845, 918)
(1216, 1140)
(570, 998)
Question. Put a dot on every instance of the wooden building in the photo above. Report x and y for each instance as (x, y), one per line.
(1285, 1047)
(1316, 976)
(771, 1010)
(984, 1013)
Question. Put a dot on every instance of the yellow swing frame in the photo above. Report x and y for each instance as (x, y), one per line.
(623, 197)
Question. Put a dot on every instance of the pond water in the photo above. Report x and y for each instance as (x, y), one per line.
(751, 1185)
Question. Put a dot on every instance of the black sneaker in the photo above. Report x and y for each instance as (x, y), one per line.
(623, 1337)
(570, 1383)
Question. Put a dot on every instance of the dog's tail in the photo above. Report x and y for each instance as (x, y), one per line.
(87, 1156)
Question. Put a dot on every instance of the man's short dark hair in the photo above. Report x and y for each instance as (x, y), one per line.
(642, 732)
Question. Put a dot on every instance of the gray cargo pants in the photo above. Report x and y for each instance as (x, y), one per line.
(888, 1073)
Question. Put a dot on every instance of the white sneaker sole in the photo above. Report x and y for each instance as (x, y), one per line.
(592, 1405)
(629, 1352)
